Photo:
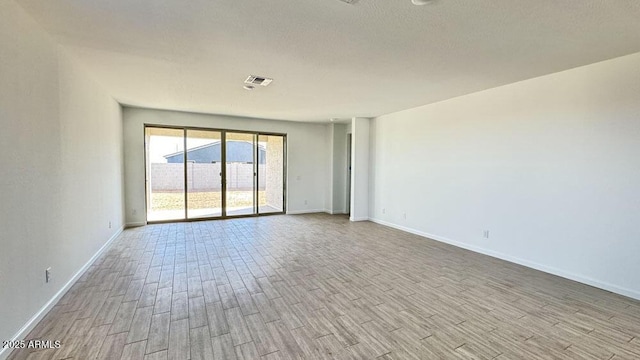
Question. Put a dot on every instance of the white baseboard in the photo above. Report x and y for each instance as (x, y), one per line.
(306, 211)
(26, 329)
(335, 212)
(530, 264)
(359, 218)
(134, 224)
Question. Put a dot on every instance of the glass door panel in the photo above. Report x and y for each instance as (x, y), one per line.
(199, 173)
(240, 174)
(204, 174)
(165, 174)
(270, 174)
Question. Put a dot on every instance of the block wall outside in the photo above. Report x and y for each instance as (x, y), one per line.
(204, 177)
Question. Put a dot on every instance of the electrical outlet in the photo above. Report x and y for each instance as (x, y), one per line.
(134, 212)
(47, 275)
(109, 224)
(306, 202)
(384, 211)
(404, 215)
(485, 234)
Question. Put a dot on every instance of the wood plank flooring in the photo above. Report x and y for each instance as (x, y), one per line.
(320, 287)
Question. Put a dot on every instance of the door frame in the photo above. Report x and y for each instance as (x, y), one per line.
(223, 167)
(349, 164)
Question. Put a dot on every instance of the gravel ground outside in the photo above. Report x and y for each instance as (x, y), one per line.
(203, 200)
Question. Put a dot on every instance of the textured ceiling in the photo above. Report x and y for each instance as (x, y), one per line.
(329, 59)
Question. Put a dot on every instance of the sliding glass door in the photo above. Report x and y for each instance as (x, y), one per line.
(204, 174)
(165, 174)
(270, 174)
(241, 173)
(195, 173)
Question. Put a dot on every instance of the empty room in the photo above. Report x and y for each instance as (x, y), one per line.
(319, 179)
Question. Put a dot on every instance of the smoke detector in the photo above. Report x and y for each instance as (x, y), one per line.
(258, 80)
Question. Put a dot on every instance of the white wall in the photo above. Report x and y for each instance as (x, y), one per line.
(338, 185)
(62, 169)
(307, 167)
(550, 166)
(360, 151)
(328, 186)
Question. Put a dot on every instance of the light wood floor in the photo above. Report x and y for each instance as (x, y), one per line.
(318, 286)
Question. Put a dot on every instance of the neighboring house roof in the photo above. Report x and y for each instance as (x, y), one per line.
(237, 151)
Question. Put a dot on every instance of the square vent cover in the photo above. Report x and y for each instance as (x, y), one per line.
(258, 80)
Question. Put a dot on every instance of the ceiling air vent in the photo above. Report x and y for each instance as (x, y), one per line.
(349, 1)
(258, 80)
